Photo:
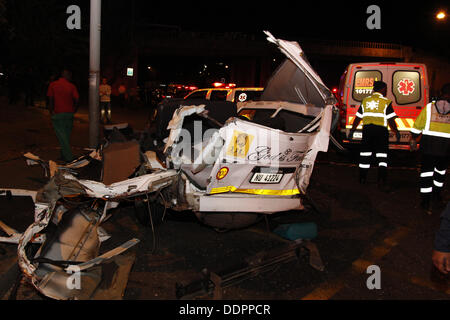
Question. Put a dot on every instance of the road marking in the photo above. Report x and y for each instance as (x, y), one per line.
(418, 281)
(328, 289)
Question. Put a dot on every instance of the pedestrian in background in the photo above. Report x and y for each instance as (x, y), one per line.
(376, 112)
(105, 100)
(433, 127)
(63, 104)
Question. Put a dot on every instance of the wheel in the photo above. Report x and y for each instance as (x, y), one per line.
(223, 221)
(141, 211)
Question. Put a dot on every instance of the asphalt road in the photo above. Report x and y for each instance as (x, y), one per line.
(358, 226)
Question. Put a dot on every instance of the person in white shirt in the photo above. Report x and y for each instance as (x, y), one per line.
(105, 100)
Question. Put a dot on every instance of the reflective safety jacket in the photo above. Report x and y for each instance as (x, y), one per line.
(376, 109)
(433, 122)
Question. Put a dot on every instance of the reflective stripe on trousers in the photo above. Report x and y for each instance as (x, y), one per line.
(432, 174)
(365, 159)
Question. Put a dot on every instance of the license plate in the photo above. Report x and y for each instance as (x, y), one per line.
(357, 135)
(260, 177)
(405, 136)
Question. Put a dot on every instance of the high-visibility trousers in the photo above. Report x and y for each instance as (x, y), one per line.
(432, 174)
(435, 153)
(375, 143)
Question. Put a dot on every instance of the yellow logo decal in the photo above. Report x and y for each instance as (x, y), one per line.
(222, 173)
(239, 144)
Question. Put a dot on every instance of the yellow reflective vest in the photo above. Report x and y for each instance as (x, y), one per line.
(374, 110)
(432, 123)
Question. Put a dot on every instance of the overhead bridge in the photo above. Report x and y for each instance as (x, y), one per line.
(251, 57)
(356, 49)
(241, 44)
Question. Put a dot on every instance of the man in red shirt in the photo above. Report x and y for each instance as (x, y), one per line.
(63, 98)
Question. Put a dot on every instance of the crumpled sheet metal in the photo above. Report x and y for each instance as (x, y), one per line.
(294, 52)
(45, 216)
(52, 167)
(142, 184)
(47, 282)
(45, 202)
(63, 184)
(305, 145)
(93, 278)
(176, 123)
(53, 284)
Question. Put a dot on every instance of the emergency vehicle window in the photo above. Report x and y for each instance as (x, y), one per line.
(218, 95)
(363, 83)
(406, 87)
(242, 95)
(197, 95)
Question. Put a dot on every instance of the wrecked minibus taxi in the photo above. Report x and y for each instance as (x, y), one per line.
(229, 173)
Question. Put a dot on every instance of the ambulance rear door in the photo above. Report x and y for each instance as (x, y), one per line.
(409, 91)
(358, 85)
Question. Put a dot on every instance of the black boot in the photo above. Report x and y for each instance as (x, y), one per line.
(438, 202)
(438, 198)
(425, 204)
(362, 180)
(362, 176)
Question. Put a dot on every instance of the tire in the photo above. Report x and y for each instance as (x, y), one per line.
(228, 221)
(143, 216)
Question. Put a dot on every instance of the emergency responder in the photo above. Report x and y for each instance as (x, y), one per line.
(433, 123)
(376, 112)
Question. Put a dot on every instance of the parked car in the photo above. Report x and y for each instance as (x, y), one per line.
(240, 94)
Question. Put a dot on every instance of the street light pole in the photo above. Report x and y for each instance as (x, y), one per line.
(94, 72)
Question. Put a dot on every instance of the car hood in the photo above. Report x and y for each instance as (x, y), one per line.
(295, 80)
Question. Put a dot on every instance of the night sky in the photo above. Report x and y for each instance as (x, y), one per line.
(404, 22)
(33, 32)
